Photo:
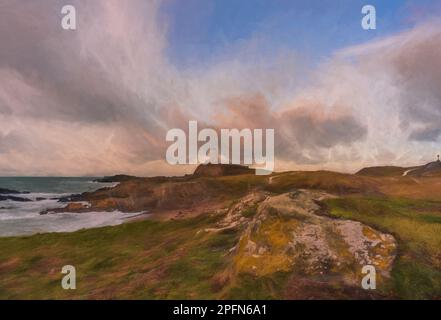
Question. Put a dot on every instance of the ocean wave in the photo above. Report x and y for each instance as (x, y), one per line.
(23, 217)
(63, 222)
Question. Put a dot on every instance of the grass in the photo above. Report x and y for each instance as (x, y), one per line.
(176, 260)
(334, 182)
(138, 260)
(145, 259)
(417, 227)
(234, 187)
(268, 287)
(383, 171)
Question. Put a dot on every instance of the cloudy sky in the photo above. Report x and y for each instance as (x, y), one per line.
(99, 100)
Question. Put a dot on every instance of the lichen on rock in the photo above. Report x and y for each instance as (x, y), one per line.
(287, 234)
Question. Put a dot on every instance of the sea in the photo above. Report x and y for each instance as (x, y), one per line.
(23, 218)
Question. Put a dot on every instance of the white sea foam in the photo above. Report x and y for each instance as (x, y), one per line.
(29, 223)
(23, 218)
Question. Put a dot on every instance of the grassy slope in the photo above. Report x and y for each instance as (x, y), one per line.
(383, 171)
(151, 259)
(138, 260)
(416, 224)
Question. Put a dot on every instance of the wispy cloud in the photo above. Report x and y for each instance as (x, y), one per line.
(100, 100)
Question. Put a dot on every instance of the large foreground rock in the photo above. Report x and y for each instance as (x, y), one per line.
(291, 233)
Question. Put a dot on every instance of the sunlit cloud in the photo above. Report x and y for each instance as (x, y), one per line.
(101, 99)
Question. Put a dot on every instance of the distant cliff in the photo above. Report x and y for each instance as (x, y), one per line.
(217, 170)
(430, 169)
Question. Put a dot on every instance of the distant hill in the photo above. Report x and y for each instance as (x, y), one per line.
(431, 169)
(218, 170)
(382, 171)
(116, 178)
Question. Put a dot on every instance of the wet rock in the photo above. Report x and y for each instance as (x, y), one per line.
(77, 207)
(9, 191)
(14, 198)
(69, 198)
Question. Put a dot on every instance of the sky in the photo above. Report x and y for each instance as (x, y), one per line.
(198, 29)
(99, 100)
